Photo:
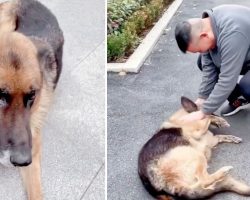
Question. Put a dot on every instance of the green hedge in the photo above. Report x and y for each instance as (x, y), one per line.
(125, 38)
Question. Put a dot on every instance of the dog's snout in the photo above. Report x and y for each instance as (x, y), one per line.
(21, 158)
(10, 142)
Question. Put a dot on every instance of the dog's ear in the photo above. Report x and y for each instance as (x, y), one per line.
(45, 53)
(45, 58)
(188, 105)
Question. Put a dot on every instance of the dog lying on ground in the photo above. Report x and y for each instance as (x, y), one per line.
(31, 44)
(173, 163)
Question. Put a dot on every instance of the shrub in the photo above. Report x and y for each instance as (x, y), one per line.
(124, 37)
(119, 44)
(116, 46)
(119, 11)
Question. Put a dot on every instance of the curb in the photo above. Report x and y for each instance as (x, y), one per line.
(136, 60)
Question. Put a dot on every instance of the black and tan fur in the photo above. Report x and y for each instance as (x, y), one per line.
(31, 44)
(173, 163)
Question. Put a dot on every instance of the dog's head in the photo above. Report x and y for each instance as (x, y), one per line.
(175, 120)
(20, 86)
(194, 127)
(188, 106)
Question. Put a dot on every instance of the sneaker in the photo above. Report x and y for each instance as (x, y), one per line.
(234, 107)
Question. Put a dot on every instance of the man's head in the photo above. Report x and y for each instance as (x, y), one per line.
(195, 35)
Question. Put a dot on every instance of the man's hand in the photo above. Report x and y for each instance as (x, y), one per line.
(199, 102)
(194, 116)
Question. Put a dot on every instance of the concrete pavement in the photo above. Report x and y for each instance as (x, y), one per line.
(138, 104)
(73, 159)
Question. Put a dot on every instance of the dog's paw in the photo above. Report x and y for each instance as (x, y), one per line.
(225, 170)
(229, 139)
(234, 139)
(220, 122)
(224, 123)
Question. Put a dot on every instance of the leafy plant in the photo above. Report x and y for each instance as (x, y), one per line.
(127, 19)
(119, 11)
(116, 46)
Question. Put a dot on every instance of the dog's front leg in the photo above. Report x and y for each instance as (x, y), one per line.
(219, 121)
(32, 174)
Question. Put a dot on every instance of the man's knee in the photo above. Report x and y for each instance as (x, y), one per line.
(245, 87)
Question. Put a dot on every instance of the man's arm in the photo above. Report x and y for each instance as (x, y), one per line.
(234, 48)
(209, 79)
(199, 102)
(209, 76)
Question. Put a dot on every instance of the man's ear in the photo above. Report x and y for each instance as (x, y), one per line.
(188, 105)
(203, 35)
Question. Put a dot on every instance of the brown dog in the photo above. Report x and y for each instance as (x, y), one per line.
(173, 163)
(31, 45)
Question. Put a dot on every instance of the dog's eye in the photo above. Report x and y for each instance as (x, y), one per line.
(4, 98)
(29, 99)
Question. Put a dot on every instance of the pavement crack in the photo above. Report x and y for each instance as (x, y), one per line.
(92, 180)
(85, 57)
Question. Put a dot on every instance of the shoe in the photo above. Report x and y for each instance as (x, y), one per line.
(234, 107)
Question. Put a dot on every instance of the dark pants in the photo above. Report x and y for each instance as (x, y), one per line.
(242, 88)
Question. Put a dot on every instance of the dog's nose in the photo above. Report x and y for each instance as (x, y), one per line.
(21, 159)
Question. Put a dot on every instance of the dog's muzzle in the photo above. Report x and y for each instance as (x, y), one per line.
(21, 158)
(10, 158)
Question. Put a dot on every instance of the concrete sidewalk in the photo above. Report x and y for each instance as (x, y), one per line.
(138, 104)
(73, 159)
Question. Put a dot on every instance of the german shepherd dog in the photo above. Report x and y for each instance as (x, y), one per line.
(31, 44)
(173, 163)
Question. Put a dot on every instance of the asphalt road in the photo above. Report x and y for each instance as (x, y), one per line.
(138, 104)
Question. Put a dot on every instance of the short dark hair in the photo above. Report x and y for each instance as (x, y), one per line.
(183, 35)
